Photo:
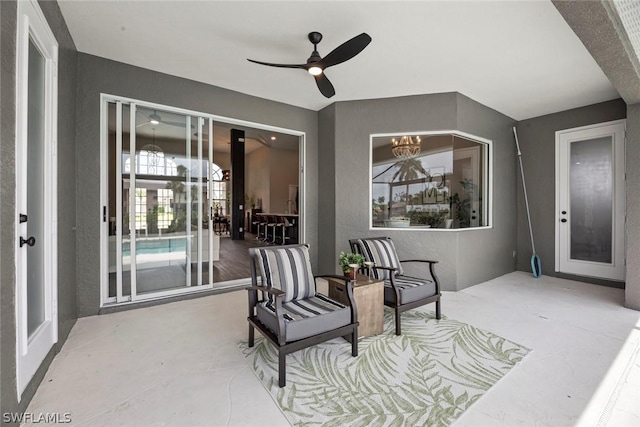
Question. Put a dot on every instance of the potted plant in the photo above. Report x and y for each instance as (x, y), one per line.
(350, 263)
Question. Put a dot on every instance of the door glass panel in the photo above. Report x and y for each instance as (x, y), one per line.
(591, 199)
(161, 201)
(169, 208)
(201, 207)
(35, 190)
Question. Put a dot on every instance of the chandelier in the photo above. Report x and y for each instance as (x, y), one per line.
(405, 147)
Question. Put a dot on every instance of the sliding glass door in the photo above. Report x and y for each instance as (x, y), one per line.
(158, 210)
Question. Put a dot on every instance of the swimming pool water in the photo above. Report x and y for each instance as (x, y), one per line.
(156, 246)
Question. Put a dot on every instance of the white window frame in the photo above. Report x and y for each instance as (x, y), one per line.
(487, 175)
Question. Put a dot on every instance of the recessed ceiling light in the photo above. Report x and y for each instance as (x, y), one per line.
(154, 119)
(273, 138)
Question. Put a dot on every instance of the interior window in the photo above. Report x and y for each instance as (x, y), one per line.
(423, 181)
(219, 190)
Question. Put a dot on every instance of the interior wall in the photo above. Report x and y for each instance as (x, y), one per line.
(283, 172)
(67, 309)
(632, 288)
(222, 159)
(538, 144)
(99, 75)
(355, 121)
(257, 176)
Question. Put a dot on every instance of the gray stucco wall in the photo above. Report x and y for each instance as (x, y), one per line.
(632, 288)
(98, 75)
(67, 312)
(8, 400)
(486, 254)
(354, 121)
(537, 143)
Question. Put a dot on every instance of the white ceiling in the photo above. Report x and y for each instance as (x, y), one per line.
(517, 57)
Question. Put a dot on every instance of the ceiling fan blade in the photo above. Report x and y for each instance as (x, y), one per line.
(325, 86)
(143, 124)
(177, 124)
(346, 50)
(303, 66)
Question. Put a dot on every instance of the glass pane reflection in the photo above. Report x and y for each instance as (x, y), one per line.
(443, 186)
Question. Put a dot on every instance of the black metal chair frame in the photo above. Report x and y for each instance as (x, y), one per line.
(278, 337)
(400, 308)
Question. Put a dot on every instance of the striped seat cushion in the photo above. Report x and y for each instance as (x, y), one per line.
(304, 318)
(411, 289)
(287, 269)
(382, 252)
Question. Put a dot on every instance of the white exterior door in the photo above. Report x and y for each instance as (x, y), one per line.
(590, 201)
(36, 191)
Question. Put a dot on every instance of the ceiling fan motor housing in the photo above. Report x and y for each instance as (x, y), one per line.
(315, 37)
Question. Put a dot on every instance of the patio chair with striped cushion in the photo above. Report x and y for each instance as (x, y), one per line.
(290, 312)
(401, 292)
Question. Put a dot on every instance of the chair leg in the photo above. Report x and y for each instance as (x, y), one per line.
(398, 319)
(438, 310)
(354, 341)
(281, 369)
(251, 335)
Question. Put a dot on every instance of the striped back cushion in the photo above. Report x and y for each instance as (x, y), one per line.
(287, 269)
(382, 252)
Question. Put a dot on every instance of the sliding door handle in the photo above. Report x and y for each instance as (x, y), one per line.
(29, 242)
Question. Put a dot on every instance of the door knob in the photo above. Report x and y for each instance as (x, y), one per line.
(29, 242)
(564, 212)
(563, 220)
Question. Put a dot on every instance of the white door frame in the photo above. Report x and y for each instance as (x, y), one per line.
(616, 269)
(31, 351)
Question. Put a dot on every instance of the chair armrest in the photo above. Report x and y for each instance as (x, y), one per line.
(272, 291)
(380, 267)
(419, 260)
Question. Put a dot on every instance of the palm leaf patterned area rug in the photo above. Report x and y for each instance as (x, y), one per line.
(428, 376)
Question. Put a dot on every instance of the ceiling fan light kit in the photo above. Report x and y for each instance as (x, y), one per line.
(316, 64)
(154, 119)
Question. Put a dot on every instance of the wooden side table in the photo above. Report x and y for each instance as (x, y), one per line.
(369, 296)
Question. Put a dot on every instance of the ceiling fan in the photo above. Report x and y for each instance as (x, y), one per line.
(316, 64)
(154, 119)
